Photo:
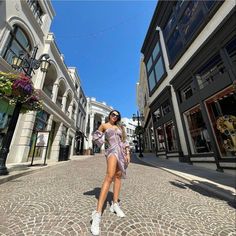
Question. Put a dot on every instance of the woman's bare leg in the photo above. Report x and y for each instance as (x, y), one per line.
(117, 184)
(111, 170)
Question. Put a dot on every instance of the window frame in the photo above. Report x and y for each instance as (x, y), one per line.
(207, 12)
(12, 38)
(154, 61)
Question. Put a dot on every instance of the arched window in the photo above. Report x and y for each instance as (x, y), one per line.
(16, 43)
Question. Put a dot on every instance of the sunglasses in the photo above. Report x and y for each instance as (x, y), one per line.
(115, 115)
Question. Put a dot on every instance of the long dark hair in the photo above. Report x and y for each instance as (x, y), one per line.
(119, 124)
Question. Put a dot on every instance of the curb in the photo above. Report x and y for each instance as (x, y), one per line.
(219, 193)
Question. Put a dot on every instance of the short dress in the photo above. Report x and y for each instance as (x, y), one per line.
(114, 146)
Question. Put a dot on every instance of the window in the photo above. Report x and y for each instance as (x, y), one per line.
(36, 9)
(210, 71)
(160, 139)
(166, 107)
(156, 51)
(159, 69)
(155, 67)
(209, 4)
(222, 111)
(16, 43)
(151, 81)
(231, 49)
(184, 22)
(174, 44)
(198, 135)
(157, 114)
(191, 19)
(171, 139)
(169, 25)
(186, 92)
(149, 64)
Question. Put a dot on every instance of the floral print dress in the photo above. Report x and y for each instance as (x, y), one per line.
(115, 146)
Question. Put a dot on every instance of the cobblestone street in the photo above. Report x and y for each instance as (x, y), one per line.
(59, 200)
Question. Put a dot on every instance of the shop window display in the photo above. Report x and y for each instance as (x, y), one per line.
(222, 111)
(160, 139)
(171, 139)
(197, 132)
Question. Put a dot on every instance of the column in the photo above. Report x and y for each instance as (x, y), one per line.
(20, 145)
(103, 146)
(64, 98)
(70, 110)
(179, 124)
(91, 125)
(56, 142)
(55, 92)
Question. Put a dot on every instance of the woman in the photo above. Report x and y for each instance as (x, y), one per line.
(118, 158)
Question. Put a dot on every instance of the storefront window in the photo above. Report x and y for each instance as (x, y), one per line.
(222, 111)
(160, 139)
(197, 132)
(171, 139)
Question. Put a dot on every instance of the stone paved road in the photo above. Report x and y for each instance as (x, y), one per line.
(59, 201)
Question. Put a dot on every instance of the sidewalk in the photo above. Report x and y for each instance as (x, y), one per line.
(21, 169)
(221, 184)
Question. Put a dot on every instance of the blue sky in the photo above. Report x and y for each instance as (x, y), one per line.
(103, 40)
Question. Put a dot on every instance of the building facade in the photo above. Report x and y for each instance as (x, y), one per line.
(189, 56)
(24, 25)
(130, 126)
(97, 113)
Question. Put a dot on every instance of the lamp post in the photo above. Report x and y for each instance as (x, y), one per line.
(139, 118)
(28, 64)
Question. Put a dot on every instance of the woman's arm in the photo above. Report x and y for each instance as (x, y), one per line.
(101, 128)
(98, 136)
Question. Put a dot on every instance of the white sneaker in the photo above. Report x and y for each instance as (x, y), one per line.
(96, 217)
(115, 208)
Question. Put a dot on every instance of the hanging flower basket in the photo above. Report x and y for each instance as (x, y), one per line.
(19, 88)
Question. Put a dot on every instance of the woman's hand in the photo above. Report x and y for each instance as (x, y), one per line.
(127, 158)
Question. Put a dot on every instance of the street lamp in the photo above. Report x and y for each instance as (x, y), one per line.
(28, 64)
(139, 118)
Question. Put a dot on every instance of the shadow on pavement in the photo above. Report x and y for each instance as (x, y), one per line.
(96, 192)
(197, 188)
(135, 160)
(186, 168)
